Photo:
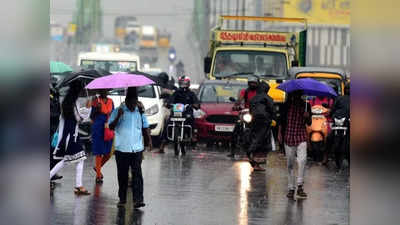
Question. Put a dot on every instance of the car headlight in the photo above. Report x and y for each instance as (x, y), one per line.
(247, 118)
(152, 110)
(198, 114)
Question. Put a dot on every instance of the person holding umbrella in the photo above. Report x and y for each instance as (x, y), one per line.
(129, 123)
(69, 148)
(296, 115)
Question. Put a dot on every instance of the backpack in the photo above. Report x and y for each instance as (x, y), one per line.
(258, 108)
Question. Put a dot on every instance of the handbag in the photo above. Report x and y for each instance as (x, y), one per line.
(54, 139)
(108, 133)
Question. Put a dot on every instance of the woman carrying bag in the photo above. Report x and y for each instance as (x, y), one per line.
(102, 136)
(68, 147)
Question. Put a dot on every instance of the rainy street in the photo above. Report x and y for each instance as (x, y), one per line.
(204, 187)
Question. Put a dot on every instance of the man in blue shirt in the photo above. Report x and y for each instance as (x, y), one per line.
(128, 121)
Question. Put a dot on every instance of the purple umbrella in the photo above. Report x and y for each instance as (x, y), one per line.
(119, 80)
(309, 86)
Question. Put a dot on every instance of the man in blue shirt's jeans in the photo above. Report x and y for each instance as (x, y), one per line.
(128, 121)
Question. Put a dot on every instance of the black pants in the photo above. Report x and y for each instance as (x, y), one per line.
(124, 162)
(259, 140)
(317, 149)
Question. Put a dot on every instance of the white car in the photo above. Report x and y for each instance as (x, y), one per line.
(150, 96)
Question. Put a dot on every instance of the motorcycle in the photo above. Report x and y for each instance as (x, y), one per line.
(179, 129)
(242, 136)
(318, 131)
(341, 140)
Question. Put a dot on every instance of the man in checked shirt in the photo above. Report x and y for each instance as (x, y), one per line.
(295, 139)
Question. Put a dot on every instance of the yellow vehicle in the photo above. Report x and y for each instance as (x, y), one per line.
(238, 54)
(163, 40)
(334, 77)
(148, 37)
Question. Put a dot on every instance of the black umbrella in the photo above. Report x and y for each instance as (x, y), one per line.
(156, 79)
(85, 76)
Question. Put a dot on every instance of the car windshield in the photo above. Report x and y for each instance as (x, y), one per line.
(112, 66)
(144, 92)
(263, 64)
(220, 93)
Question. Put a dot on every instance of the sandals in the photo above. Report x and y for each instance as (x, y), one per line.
(99, 180)
(101, 175)
(81, 191)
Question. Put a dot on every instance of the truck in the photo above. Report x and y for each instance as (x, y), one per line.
(267, 54)
(148, 37)
(127, 31)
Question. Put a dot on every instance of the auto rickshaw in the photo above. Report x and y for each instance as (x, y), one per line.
(334, 77)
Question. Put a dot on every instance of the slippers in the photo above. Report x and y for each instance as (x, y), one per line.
(101, 175)
(79, 191)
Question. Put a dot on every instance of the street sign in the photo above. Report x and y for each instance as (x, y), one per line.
(172, 54)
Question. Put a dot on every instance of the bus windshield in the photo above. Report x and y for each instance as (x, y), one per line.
(111, 66)
(261, 63)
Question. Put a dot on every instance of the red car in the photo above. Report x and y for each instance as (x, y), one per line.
(216, 120)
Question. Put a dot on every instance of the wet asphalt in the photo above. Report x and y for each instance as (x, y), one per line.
(204, 187)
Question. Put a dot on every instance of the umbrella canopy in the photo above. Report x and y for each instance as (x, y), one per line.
(86, 76)
(309, 86)
(156, 79)
(59, 67)
(119, 80)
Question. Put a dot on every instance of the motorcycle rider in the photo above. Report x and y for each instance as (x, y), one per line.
(341, 109)
(245, 95)
(262, 110)
(184, 96)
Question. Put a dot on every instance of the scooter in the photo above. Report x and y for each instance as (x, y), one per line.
(318, 131)
(179, 129)
(341, 140)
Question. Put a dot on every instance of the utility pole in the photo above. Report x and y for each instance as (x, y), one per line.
(243, 13)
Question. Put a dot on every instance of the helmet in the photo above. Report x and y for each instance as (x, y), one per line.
(184, 82)
(253, 83)
(163, 77)
(253, 79)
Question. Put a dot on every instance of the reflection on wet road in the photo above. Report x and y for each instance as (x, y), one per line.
(204, 188)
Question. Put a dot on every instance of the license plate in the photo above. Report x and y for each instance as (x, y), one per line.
(177, 114)
(178, 119)
(224, 128)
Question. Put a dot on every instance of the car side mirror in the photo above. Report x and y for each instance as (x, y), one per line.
(207, 64)
(295, 63)
(232, 99)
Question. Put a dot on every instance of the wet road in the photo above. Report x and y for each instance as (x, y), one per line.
(206, 188)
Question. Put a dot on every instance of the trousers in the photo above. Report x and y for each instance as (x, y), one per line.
(78, 171)
(126, 161)
(291, 152)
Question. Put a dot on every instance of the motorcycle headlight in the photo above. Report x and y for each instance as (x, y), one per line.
(339, 122)
(198, 114)
(152, 110)
(247, 118)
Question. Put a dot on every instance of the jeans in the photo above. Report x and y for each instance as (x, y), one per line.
(124, 162)
(291, 152)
